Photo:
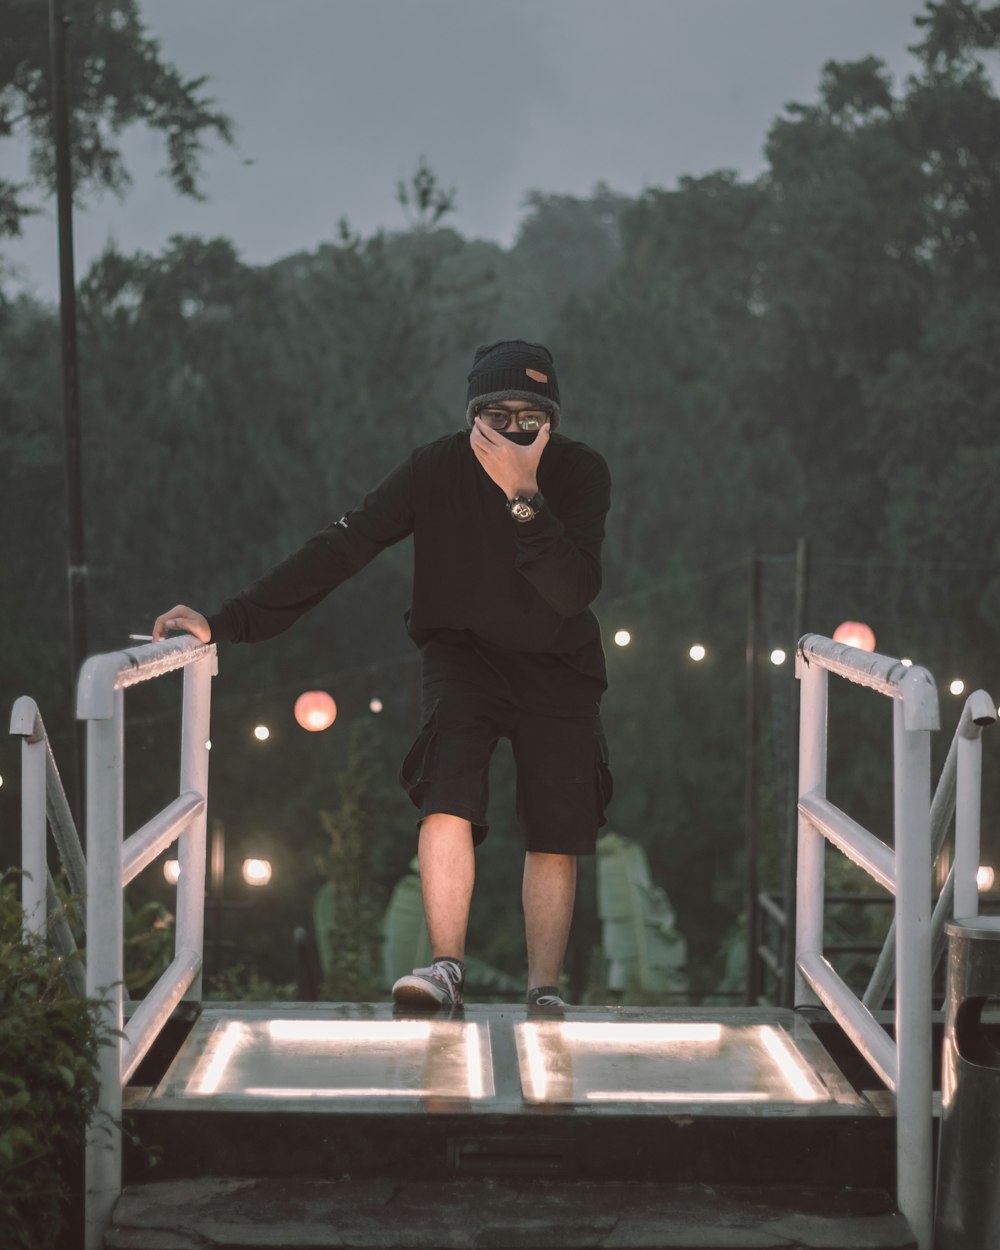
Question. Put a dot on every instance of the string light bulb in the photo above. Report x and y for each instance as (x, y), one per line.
(855, 634)
(697, 652)
(623, 638)
(256, 872)
(315, 710)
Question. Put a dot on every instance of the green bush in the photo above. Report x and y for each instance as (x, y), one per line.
(48, 1086)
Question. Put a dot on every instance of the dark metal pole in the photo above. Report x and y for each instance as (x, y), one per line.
(750, 793)
(77, 566)
(792, 814)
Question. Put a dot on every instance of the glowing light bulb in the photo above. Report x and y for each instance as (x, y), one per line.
(697, 652)
(623, 638)
(256, 871)
(906, 662)
(778, 656)
(208, 745)
(261, 733)
(375, 705)
(172, 871)
(315, 710)
(985, 877)
(855, 634)
(957, 686)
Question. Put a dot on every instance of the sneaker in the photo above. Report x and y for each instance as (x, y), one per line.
(440, 985)
(546, 997)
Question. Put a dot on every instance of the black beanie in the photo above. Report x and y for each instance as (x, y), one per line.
(513, 369)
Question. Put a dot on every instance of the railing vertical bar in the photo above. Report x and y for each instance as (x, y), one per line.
(812, 779)
(914, 1104)
(33, 883)
(105, 829)
(64, 828)
(942, 809)
(967, 826)
(63, 942)
(195, 728)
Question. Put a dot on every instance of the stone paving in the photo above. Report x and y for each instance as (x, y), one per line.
(488, 1214)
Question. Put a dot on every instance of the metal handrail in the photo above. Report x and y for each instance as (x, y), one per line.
(43, 798)
(904, 1064)
(113, 860)
(43, 802)
(960, 775)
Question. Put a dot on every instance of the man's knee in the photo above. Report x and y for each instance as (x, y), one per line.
(445, 825)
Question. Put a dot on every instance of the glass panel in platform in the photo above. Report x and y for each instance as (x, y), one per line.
(312, 1057)
(594, 1061)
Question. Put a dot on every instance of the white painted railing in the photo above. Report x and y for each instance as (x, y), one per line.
(958, 796)
(904, 1064)
(43, 803)
(113, 860)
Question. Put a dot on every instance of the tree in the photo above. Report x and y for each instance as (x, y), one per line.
(117, 78)
(423, 199)
(350, 943)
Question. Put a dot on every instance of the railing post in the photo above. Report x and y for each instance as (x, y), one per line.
(195, 728)
(914, 1083)
(814, 686)
(105, 829)
(33, 860)
(968, 805)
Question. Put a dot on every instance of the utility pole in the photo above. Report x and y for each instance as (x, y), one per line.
(76, 560)
(792, 814)
(750, 792)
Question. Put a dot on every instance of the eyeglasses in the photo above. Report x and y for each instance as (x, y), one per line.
(527, 418)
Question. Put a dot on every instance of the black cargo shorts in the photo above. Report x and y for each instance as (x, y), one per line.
(563, 780)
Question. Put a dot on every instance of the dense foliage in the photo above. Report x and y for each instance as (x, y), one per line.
(48, 1087)
(808, 354)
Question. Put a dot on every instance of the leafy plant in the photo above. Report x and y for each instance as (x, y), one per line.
(243, 984)
(48, 1085)
(349, 940)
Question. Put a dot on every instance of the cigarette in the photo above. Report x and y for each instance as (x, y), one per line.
(141, 637)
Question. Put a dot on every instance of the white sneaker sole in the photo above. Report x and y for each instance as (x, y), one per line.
(416, 992)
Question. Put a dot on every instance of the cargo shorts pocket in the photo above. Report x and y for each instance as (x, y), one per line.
(416, 769)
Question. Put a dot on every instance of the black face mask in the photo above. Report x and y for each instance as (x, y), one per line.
(523, 437)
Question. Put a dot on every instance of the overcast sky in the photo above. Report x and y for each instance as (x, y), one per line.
(334, 100)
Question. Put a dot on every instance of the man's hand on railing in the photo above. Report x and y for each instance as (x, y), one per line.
(183, 618)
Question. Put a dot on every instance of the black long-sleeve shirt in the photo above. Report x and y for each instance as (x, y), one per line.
(517, 594)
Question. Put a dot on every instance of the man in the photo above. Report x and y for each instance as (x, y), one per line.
(507, 519)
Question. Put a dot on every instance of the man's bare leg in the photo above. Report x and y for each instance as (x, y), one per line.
(447, 873)
(548, 892)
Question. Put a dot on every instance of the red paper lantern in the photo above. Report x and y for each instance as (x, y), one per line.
(315, 710)
(855, 634)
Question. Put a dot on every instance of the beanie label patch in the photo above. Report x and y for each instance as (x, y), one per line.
(536, 376)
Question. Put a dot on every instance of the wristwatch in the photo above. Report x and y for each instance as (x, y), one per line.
(522, 508)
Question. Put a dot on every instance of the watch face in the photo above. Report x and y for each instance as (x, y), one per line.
(522, 511)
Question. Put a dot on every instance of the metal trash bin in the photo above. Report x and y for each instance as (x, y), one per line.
(968, 1179)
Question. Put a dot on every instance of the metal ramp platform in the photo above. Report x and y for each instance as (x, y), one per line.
(741, 1096)
(481, 1060)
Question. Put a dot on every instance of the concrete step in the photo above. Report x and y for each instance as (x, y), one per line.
(230, 1213)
